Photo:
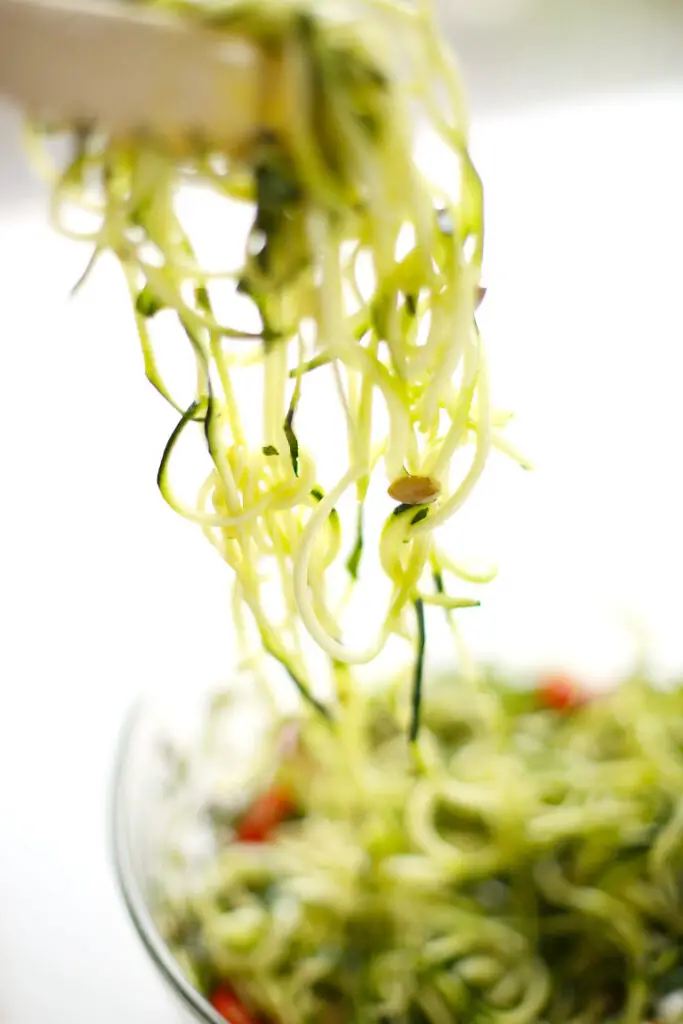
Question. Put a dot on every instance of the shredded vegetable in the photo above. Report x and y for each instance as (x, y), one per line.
(533, 872)
(527, 864)
(356, 265)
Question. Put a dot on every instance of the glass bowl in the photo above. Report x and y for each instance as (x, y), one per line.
(148, 803)
(139, 782)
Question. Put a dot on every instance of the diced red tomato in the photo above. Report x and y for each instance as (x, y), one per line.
(560, 692)
(229, 1006)
(265, 814)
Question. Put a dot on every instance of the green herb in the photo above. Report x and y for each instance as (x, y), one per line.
(270, 449)
(275, 189)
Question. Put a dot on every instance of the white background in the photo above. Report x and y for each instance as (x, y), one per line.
(103, 592)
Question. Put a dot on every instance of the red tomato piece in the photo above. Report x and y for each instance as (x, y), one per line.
(224, 1000)
(560, 692)
(265, 814)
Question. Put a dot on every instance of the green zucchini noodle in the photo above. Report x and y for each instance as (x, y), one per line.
(524, 863)
(357, 266)
(533, 871)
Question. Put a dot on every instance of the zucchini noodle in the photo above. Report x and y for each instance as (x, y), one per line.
(532, 872)
(524, 864)
(356, 264)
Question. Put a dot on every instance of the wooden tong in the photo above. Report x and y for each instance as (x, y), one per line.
(128, 68)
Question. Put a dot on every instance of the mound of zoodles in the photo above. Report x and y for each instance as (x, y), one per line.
(357, 267)
(533, 872)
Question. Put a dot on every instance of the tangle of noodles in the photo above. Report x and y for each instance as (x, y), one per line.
(358, 266)
(531, 869)
(532, 872)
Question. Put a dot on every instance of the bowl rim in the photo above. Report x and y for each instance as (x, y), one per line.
(124, 873)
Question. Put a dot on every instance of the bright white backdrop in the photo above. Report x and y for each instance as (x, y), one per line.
(103, 592)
